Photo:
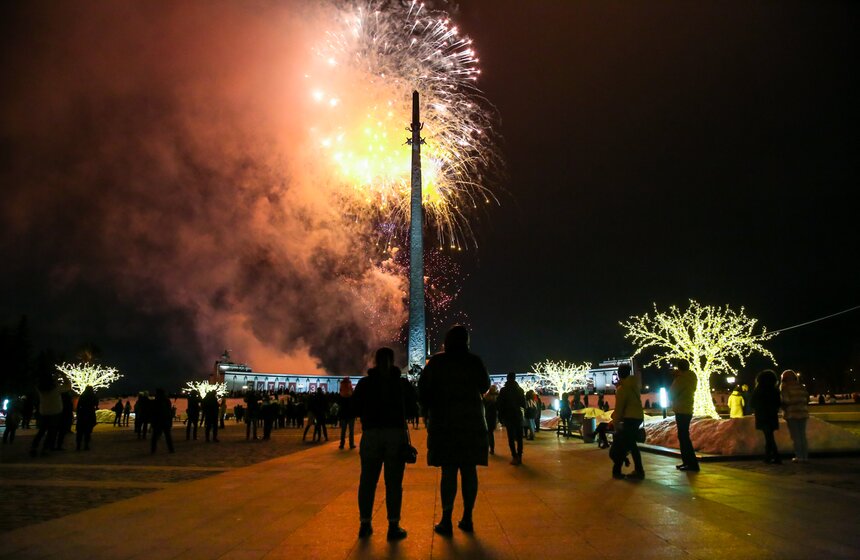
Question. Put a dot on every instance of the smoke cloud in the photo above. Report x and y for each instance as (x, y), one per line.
(157, 155)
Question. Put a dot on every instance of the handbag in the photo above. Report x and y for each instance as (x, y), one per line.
(408, 454)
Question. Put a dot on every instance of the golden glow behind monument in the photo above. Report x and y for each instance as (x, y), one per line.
(708, 337)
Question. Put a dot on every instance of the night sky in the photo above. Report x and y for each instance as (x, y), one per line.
(654, 152)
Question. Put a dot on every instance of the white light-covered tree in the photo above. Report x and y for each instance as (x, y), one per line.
(204, 387)
(708, 337)
(529, 384)
(560, 376)
(81, 375)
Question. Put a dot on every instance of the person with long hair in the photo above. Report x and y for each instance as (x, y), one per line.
(380, 400)
(795, 401)
(765, 404)
(451, 388)
(492, 416)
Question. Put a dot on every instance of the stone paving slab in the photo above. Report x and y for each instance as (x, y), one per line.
(562, 501)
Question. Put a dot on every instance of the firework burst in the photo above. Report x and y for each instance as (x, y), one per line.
(364, 71)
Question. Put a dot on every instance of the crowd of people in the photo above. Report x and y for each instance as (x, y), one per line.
(461, 411)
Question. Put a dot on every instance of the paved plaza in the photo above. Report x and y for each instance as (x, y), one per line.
(213, 501)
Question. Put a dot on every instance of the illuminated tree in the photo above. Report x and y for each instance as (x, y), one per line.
(561, 377)
(710, 338)
(204, 387)
(81, 375)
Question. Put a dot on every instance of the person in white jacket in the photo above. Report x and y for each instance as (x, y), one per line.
(795, 400)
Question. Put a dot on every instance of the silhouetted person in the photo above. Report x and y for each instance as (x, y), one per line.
(50, 410)
(142, 413)
(380, 400)
(269, 411)
(13, 419)
(126, 413)
(26, 412)
(319, 408)
(161, 417)
(86, 418)
(67, 418)
(117, 411)
(530, 414)
(222, 412)
(491, 415)
(511, 402)
(253, 410)
(682, 394)
(347, 416)
(451, 388)
(193, 416)
(765, 403)
(210, 408)
(627, 417)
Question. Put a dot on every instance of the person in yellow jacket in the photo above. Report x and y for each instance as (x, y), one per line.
(628, 414)
(736, 404)
(682, 393)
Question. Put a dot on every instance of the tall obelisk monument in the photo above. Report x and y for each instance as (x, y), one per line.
(417, 345)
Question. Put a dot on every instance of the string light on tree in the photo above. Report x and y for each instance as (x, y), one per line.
(560, 376)
(204, 387)
(81, 375)
(710, 338)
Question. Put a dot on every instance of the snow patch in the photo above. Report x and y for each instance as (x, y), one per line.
(738, 436)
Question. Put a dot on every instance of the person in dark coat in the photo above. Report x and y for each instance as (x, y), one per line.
(319, 408)
(451, 388)
(381, 400)
(144, 404)
(765, 403)
(251, 414)
(67, 419)
(161, 417)
(511, 403)
(269, 412)
(126, 413)
(193, 415)
(86, 414)
(117, 411)
(211, 407)
(345, 413)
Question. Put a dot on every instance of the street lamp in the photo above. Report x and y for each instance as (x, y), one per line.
(664, 400)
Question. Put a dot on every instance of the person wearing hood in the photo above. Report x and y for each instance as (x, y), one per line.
(380, 400)
(736, 404)
(451, 388)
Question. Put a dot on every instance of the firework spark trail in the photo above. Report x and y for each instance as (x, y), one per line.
(364, 71)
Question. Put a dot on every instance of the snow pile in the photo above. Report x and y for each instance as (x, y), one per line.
(738, 436)
(105, 416)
